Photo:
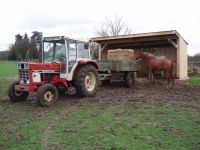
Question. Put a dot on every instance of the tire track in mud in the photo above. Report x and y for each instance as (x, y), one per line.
(52, 124)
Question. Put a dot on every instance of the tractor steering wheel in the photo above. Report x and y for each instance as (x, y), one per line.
(61, 57)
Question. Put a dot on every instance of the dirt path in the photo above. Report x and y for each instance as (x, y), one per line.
(49, 128)
(53, 123)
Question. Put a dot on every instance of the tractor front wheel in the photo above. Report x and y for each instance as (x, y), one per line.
(86, 81)
(14, 95)
(47, 95)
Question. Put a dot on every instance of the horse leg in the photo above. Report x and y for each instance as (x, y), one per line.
(171, 75)
(168, 78)
(153, 77)
(150, 74)
(172, 79)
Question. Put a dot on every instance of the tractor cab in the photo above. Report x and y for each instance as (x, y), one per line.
(65, 51)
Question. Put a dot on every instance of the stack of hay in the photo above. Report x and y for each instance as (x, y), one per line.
(121, 54)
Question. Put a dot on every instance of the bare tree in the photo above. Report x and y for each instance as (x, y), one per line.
(113, 26)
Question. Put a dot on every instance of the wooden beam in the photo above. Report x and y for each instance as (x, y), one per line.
(101, 48)
(138, 39)
(140, 44)
(173, 43)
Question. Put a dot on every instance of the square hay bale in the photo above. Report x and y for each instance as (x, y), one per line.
(121, 54)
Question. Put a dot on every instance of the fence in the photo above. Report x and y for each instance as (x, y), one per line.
(193, 68)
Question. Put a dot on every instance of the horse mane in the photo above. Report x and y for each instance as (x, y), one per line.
(152, 55)
(148, 53)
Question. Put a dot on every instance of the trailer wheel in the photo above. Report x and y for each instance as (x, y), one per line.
(86, 81)
(16, 96)
(47, 95)
(129, 79)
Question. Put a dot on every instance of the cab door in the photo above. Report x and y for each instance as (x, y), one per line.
(72, 54)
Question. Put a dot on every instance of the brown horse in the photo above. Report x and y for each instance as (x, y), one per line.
(155, 63)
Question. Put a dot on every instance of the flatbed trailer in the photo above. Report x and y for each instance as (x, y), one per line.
(118, 70)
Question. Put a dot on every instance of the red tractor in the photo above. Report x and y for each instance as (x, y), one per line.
(65, 63)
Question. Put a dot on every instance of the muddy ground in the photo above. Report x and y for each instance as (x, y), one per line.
(116, 92)
(182, 93)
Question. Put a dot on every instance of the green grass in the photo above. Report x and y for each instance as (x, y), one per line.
(158, 127)
(22, 130)
(4, 84)
(194, 80)
(135, 125)
(8, 68)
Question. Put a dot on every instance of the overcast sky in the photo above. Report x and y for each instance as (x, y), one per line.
(81, 18)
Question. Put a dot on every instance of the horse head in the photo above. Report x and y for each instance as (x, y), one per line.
(141, 55)
(146, 56)
(137, 55)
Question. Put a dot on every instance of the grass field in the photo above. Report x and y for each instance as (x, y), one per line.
(8, 68)
(194, 80)
(8, 71)
(99, 126)
(126, 122)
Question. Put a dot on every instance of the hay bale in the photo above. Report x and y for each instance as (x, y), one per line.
(121, 54)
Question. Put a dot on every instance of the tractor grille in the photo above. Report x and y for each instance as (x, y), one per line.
(24, 76)
(23, 73)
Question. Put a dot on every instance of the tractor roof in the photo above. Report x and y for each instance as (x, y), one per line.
(61, 38)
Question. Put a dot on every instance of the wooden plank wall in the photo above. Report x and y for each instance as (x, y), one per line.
(182, 59)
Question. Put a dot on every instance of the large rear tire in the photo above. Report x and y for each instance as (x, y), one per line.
(47, 95)
(86, 81)
(130, 79)
(16, 96)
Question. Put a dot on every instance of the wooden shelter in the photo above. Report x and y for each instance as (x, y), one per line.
(167, 43)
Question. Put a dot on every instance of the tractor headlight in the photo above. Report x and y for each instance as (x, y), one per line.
(24, 82)
(21, 81)
(27, 81)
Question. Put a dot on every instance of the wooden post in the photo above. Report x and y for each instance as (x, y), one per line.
(193, 68)
(100, 51)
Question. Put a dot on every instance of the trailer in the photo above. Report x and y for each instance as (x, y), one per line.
(125, 70)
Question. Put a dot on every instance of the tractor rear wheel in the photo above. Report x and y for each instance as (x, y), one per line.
(129, 79)
(16, 96)
(86, 81)
(47, 95)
